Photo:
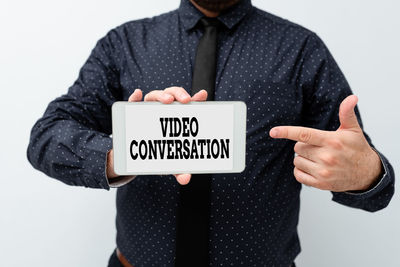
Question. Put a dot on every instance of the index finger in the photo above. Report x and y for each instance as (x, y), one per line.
(301, 134)
(200, 96)
(179, 93)
(160, 96)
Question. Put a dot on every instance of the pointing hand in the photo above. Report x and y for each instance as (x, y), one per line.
(340, 160)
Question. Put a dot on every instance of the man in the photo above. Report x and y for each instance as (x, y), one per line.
(287, 77)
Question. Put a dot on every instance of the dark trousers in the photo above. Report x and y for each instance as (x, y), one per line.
(114, 261)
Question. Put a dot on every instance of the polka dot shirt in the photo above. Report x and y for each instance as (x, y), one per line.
(283, 72)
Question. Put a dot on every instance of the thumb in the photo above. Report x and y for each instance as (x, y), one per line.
(183, 179)
(347, 116)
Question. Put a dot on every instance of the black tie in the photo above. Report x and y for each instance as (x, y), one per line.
(192, 243)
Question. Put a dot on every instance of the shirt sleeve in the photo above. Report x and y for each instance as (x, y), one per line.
(71, 140)
(324, 87)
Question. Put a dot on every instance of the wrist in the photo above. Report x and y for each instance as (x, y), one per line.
(374, 171)
(110, 165)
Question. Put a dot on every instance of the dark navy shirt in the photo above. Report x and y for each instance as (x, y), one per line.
(283, 72)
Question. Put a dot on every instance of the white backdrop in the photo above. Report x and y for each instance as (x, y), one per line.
(43, 43)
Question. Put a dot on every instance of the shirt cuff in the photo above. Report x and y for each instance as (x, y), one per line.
(361, 195)
(374, 199)
(377, 184)
(120, 181)
(94, 170)
(117, 181)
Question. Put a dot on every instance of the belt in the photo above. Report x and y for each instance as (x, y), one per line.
(123, 260)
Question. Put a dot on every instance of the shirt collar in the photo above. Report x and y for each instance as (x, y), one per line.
(190, 15)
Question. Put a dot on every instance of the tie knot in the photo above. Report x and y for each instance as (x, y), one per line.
(210, 22)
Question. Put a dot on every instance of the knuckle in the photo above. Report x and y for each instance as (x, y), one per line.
(174, 89)
(165, 97)
(167, 91)
(304, 136)
(324, 173)
(335, 143)
(328, 159)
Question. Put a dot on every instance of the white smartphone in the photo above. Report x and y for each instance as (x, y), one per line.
(198, 137)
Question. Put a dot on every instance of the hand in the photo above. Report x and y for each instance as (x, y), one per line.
(135, 97)
(338, 161)
(167, 96)
(110, 165)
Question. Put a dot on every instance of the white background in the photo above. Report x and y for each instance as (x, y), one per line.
(44, 43)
